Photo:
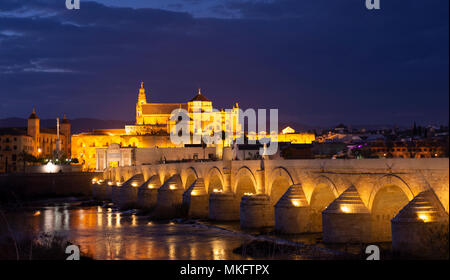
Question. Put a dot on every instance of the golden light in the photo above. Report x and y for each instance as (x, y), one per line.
(248, 194)
(150, 186)
(134, 184)
(110, 183)
(50, 167)
(118, 217)
(296, 202)
(345, 209)
(194, 193)
(39, 150)
(424, 217)
(37, 213)
(94, 180)
(287, 130)
(217, 190)
(172, 187)
(118, 184)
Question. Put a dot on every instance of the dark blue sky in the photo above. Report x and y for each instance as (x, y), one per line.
(320, 62)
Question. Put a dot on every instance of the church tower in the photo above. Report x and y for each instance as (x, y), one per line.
(33, 131)
(65, 131)
(141, 101)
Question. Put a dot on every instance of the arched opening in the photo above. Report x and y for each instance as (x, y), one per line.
(134, 142)
(165, 177)
(279, 186)
(321, 197)
(388, 201)
(245, 184)
(215, 183)
(190, 179)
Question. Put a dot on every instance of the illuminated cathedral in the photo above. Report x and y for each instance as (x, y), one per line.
(154, 118)
(151, 130)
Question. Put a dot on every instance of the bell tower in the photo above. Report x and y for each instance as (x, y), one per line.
(65, 131)
(33, 131)
(141, 101)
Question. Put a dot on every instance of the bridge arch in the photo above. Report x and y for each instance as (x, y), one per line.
(387, 198)
(280, 180)
(323, 194)
(164, 176)
(190, 175)
(389, 180)
(214, 179)
(245, 182)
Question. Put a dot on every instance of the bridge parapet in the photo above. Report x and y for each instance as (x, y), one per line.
(367, 175)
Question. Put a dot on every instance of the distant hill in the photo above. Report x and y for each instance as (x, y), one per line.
(87, 124)
(78, 125)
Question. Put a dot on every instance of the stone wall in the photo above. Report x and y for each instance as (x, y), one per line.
(17, 187)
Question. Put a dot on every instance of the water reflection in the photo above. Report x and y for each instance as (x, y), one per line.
(107, 234)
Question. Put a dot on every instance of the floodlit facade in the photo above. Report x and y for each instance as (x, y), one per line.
(17, 142)
(151, 130)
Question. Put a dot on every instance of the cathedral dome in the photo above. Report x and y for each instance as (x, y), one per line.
(200, 97)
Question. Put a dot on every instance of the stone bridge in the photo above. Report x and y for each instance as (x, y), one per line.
(349, 200)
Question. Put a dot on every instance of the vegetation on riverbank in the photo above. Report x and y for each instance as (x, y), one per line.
(259, 249)
(42, 246)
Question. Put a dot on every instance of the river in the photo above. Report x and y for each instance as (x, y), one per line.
(108, 234)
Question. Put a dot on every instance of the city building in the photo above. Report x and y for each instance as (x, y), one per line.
(19, 144)
(409, 149)
(148, 140)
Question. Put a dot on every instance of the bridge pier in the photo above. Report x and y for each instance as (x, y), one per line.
(128, 192)
(99, 190)
(256, 211)
(347, 219)
(196, 200)
(115, 193)
(170, 197)
(292, 212)
(105, 190)
(148, 193)
(420, 229)
(223, 206)
(108, 190)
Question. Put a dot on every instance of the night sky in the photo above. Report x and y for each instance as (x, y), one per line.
(320, 62)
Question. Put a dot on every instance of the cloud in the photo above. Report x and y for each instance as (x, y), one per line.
(320, 60)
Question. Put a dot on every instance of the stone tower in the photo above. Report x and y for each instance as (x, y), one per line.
(141, 101)
(65, 131)
(33, 131)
